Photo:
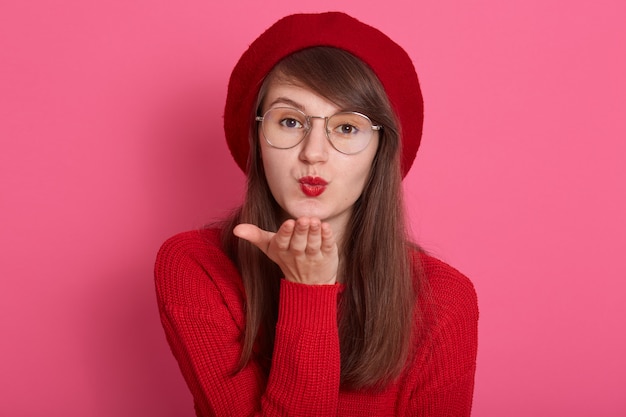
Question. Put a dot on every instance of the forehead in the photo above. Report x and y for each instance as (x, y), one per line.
(281, 93)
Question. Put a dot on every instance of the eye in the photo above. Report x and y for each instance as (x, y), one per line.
(346, 129)
(291, 123)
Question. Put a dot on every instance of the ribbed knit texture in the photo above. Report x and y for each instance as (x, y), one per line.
(201, 301)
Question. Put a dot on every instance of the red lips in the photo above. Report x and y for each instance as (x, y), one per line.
(312, 186)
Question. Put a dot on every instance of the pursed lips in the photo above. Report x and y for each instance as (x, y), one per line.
(312, 186)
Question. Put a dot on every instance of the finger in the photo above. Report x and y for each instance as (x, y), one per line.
(314, 238)
(328, 244)
(253, 234)
(282, 240)
(300, 235)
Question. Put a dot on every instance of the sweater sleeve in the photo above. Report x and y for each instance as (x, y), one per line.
(448, 363)
(201, 307)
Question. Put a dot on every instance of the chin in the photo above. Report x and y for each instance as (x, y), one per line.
(307, 211)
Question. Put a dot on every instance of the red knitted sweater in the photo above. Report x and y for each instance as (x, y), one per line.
(200, 298)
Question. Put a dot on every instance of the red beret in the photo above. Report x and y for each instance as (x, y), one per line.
(387, 59)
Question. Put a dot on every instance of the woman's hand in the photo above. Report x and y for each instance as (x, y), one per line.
(304, 249)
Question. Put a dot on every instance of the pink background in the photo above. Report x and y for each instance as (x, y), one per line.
(111, 141)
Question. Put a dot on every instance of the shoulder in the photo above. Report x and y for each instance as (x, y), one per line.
(445, 291)
(180, 252)
(189, 243)
(190, 266)
(445, 358)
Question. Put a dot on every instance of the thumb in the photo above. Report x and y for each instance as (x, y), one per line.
(258, 237)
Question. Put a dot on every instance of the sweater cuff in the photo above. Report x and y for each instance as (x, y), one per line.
(309, 306)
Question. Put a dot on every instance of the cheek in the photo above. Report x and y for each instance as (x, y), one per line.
(359, 172)
(274, 173)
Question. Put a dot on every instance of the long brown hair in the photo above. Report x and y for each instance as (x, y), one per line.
(376, 308)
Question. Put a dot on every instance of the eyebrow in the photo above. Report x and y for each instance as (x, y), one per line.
(288, 101)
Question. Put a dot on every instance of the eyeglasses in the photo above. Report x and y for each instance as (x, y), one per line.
(286, 127)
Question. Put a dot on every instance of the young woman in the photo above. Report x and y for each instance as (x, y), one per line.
(310, 300)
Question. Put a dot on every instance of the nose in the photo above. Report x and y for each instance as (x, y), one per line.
(315, 146)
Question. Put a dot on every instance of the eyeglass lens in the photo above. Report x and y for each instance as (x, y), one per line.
(285, 127)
